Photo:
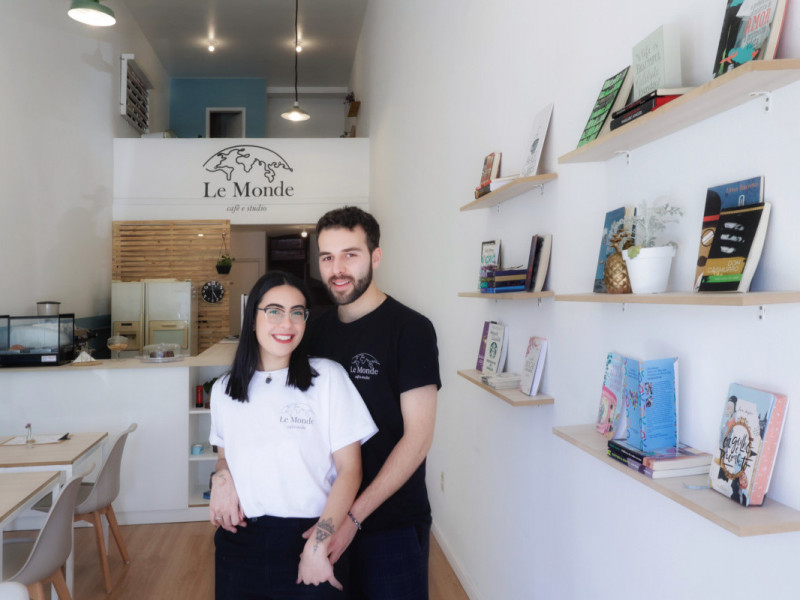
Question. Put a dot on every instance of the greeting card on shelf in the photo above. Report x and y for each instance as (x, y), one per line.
(533, 366)
(540, 124)
(751, 30)
(750, 431)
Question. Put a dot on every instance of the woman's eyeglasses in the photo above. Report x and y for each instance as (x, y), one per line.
(276, 315)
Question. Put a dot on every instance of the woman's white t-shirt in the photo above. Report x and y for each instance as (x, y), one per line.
(279, 445)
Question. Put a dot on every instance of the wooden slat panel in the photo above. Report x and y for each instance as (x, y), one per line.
(174, 249)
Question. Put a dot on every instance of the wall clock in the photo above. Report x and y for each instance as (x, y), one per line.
(212, 291)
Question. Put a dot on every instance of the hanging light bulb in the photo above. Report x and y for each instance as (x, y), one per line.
(91, 12)
(296, 113)
(212, 45)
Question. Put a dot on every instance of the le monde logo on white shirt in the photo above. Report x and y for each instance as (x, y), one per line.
(297, 416)
(364, 366)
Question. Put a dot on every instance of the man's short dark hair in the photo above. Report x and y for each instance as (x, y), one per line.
(349, 217)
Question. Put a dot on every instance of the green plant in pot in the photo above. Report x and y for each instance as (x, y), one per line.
(648, 264)
(224, 263)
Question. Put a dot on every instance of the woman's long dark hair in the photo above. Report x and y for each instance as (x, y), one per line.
(245, 363)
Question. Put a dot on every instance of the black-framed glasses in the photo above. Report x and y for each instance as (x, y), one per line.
(276, 314)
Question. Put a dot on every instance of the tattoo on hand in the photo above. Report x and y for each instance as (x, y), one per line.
(324, 531)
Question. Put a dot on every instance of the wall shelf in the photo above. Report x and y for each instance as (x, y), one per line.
(513, 396)
(771, 517)
(507, 295)
(701, 298)
(710, 99)
(509, 191)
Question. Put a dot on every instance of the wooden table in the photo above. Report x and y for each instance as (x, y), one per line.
(20, 491)
(66, 456)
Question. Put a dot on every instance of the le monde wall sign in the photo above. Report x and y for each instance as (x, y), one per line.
(246, 181)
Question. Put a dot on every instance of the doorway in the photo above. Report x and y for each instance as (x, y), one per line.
(226, 122)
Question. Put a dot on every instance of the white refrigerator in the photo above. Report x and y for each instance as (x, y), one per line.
(152, 311)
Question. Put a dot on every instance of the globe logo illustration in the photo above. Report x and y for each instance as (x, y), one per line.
(247, 160)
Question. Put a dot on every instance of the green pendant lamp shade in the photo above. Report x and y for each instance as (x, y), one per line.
(91, 12)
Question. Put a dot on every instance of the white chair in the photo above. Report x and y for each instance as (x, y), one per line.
(49, 553)
(11, 590)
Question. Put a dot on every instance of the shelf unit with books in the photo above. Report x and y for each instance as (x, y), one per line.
(771, 517)
(512, 190)
(513, 396)
(708, 100)
(508, 295)
(695, 298)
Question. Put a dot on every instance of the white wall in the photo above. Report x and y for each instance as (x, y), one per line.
(60, 109)
(524, 514)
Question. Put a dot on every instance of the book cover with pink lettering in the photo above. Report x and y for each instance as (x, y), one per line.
(750, 432)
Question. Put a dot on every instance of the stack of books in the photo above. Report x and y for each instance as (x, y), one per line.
(678, 461)
(502, 381)
(645, 104)
(493, 281)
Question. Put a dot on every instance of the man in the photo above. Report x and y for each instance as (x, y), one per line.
(390, 352)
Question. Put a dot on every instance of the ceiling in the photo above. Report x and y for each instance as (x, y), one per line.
(255, 38)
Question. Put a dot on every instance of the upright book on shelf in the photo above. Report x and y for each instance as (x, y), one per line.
(533, 366)
(727, 196)
(613, 96)
(482, 347)
(657, 61)
(750, 431)
(751, 30)
(494, 359)
(614, 223)
(542, 261)
(490, 172)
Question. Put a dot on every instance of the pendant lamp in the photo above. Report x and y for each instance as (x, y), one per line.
(91, 12)
(295, 113)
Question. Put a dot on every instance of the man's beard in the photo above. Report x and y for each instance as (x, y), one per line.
(359, 287)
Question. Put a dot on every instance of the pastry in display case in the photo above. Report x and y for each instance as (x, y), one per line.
(40, 340)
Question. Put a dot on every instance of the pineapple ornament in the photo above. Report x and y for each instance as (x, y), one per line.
(615, 273)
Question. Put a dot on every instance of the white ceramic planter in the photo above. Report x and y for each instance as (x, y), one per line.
(649, 271)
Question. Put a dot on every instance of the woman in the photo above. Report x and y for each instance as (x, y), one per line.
(289, 430)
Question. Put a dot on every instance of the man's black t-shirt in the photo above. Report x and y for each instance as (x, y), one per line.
(386, 352)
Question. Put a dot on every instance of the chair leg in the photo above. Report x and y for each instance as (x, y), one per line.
(36, 591)
(111, 517)
(60, 583)
(96, 520)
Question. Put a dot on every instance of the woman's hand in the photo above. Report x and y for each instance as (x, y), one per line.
(315, 567)
(224, 508)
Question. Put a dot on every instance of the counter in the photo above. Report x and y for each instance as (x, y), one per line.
(160, 481)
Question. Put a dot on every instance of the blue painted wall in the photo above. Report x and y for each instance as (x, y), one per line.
(189, 98)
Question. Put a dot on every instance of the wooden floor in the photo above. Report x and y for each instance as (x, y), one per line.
(175, 561)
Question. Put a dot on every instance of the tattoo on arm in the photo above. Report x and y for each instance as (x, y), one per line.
(324, 531)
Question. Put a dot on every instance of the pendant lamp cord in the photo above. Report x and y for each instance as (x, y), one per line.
(295, 49)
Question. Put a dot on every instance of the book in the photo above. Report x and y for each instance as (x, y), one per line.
(542, 261)
(749, 435)
(659, 93)
(663, 459)
(494, 359)
(745, 192)
(490, 253)
(614, 222)
(751, 30)
(613, 96)
(685, 472)
(640, 110)
(501, 381)
(656, 61)
(736, 249)
(529, 277)
(504, 289)
(533, 366)
(482, 348)
(538, 133)
(491, 168)
(611, 396)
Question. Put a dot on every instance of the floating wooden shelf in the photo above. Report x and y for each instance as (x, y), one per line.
(507, 295)
(703, 298)
(771, 517)
(512, 190)
(513, 396)
(717, 96)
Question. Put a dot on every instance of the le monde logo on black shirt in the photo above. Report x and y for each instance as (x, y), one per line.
(236, 163)
(364, 366)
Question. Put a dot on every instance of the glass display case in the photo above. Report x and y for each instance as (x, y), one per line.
(41, 340)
